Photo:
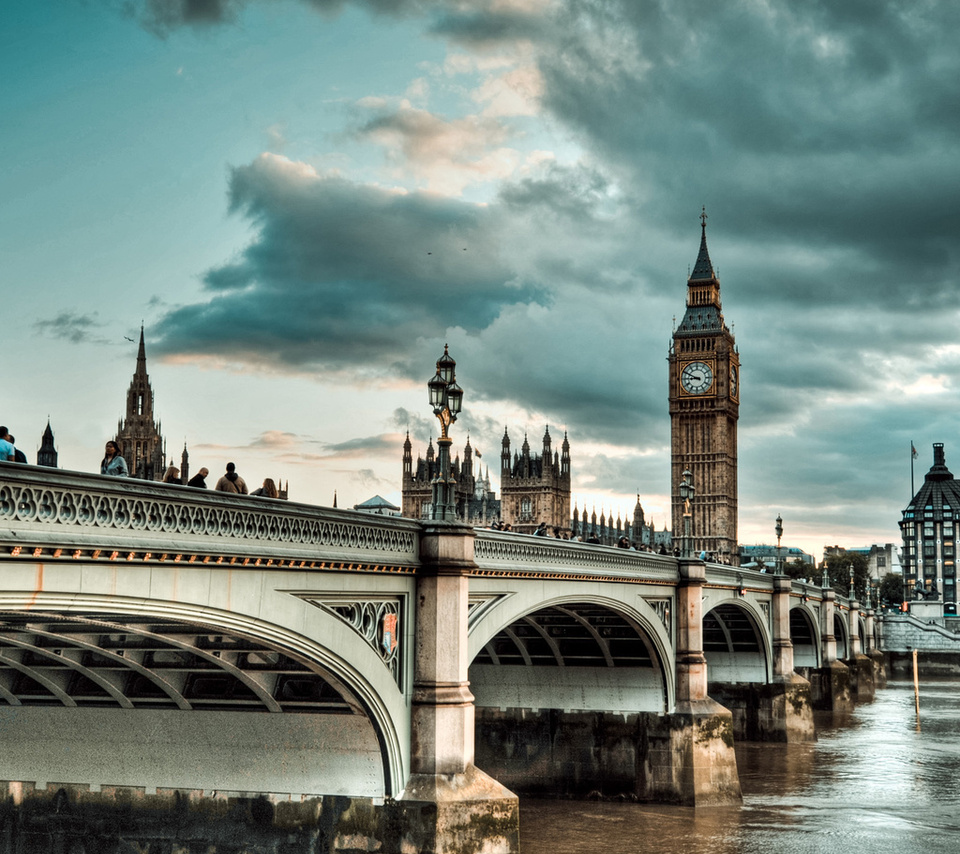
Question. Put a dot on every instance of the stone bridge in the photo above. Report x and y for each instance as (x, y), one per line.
(160, 639)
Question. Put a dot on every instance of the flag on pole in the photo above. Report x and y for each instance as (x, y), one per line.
(913, 452)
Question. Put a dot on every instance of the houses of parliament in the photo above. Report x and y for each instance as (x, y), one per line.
(704, 406)
(535, 486)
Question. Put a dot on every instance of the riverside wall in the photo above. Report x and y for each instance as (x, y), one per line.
(937, 646)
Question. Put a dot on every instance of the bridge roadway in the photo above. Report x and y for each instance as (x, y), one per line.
(325, 652)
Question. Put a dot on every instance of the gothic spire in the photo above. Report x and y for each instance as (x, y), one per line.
(141, 356)
(703, 314)
(703, 269)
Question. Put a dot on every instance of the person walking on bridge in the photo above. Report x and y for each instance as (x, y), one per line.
(113, 463)
(231, 482)
(199, 480)
(7, 450)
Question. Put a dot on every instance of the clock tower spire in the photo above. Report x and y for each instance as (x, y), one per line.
(704, 409)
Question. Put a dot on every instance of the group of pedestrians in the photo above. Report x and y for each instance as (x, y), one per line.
(8, 448)
(557, 533)
(114, 465)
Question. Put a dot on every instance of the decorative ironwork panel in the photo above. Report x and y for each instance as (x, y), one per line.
(478, 606)
(662, 609)
(377, 621)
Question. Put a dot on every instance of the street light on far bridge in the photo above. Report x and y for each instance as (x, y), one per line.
(446, 398)
(686, 496)
(779, 530)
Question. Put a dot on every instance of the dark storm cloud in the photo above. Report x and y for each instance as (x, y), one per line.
(576, 194)
(485, 26)
(420, 427)
(341, 273)
(164, 16)
(71, 326)
(364, 447)
(813, 125)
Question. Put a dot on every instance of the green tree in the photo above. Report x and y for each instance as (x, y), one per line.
(838, 568)
(800, 569)
(891, 589)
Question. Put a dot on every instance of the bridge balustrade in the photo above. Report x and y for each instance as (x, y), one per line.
(63, 514)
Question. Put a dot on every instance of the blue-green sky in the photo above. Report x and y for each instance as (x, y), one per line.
(303, 200)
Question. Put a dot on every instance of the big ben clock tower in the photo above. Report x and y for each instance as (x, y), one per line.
(704, 408)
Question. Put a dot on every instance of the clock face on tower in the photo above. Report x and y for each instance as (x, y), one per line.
(733, 381)
(696, 377)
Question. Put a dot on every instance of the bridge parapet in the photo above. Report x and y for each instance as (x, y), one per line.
(524, 555)
(63, 514)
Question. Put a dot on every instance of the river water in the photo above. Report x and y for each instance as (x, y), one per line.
(873, 782)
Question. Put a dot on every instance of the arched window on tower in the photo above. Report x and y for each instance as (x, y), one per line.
(525, 508)
(140, 403)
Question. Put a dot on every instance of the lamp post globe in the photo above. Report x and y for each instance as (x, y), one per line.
(446, 399)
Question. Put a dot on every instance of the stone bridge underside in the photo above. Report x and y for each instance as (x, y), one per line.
(575, 656)
(70, 683)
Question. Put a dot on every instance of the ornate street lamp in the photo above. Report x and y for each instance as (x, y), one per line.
(686, 496)
(779, 530)
(446, 398)
(853, 594)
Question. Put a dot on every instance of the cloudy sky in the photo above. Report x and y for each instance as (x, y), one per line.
(303, 200)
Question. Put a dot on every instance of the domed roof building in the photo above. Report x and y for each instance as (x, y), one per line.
(928, 528)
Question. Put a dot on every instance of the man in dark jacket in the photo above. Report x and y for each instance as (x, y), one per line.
(199, 480)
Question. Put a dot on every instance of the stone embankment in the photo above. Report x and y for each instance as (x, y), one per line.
(937, 646)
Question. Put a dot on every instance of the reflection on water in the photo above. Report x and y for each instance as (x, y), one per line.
(871, 782)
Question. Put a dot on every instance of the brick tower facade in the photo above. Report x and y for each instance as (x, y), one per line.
(138, 434)
(704, 409)
(535, 488)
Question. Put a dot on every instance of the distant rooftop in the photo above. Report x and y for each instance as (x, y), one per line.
(378, 504)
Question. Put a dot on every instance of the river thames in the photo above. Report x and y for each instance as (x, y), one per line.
(872, 782)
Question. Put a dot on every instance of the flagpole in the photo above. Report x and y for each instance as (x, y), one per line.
(913, 456)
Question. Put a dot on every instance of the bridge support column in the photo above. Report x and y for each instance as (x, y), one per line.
(448, 803)
(691, 759)
(830, 683)
(786, 711)
(862, 684)
(873, 652)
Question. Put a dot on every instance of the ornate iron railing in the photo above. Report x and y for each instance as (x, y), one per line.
(524, 553)
(45, 508)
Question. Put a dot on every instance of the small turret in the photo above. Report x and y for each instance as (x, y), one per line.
(407, 458)
(47, 455)
(467, 469)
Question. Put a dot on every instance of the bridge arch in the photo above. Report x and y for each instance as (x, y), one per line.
(862, 631)
(841, 631)
(736, 642)
(575, 651)
(805, 636)
(311, 701)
